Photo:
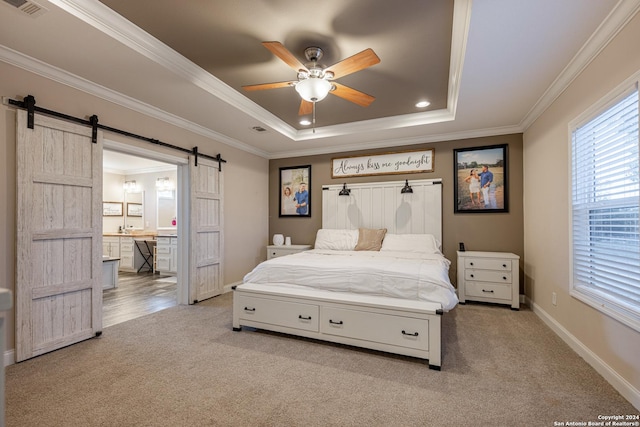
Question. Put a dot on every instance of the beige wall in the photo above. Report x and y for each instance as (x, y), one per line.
(546, 196)
(479, 231)
(245, 175)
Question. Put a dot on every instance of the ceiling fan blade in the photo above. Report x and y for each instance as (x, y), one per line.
(283, 53)
(264, 86)
(306, 107)
(354, 63)
(355, 96)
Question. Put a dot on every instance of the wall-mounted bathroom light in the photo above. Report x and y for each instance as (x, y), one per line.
(163, 184)
(130, 186)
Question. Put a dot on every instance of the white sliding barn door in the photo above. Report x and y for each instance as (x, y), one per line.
(206, 240)
(59, 235)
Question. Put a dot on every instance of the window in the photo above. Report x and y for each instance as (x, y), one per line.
(605, 197)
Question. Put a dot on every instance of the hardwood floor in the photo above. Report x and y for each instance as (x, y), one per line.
(137, 295)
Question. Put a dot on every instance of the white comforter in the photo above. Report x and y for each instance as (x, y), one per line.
(392, 274)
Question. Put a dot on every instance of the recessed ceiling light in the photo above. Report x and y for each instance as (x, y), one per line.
(423, 104)
(305, 122)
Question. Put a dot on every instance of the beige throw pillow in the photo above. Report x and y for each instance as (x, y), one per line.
(370, 239)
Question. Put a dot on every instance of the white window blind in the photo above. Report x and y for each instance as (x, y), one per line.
(605, 199)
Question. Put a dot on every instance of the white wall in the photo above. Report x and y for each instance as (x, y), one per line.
(611, 347)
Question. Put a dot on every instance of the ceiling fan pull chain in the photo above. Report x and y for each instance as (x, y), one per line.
(314, 118)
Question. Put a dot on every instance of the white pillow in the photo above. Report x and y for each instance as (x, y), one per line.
(337, 240)
(416, 243)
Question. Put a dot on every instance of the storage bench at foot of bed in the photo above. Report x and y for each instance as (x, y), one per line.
(406, 327)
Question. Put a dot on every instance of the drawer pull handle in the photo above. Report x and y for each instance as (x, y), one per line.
(470, 263)
(415, 334)
(471, 275)
(339, 322)
(504, 265)
(488, 291)
(304, 318)
(504, 278)
(249, 309)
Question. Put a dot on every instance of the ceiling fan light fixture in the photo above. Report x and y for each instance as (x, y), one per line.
(313, 89)
(305, 122)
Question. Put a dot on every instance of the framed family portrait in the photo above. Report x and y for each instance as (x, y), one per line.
(480, 179)
(295, 191)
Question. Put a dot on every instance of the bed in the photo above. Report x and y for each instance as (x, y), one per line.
(376, 277)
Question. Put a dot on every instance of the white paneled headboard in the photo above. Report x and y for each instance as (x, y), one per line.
(381, 205)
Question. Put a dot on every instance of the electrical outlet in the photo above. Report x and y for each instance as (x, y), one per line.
(554, 298)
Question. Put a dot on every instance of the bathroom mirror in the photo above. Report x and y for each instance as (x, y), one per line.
(134, 210)
(167, 209)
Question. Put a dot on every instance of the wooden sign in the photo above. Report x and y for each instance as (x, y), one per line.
(383, 164)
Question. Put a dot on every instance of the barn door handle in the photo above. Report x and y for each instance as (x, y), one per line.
(415, 334)
(339, 322)
(304, 318)
(249, 309)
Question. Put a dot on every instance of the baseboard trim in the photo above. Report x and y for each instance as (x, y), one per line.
(627, 390)
(9, 357)
(229, 287)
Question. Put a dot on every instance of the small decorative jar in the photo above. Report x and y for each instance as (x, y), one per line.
(278, 239)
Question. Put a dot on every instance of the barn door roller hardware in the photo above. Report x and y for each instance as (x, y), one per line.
(29, 104)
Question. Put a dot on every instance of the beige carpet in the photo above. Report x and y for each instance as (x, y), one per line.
(184, 366)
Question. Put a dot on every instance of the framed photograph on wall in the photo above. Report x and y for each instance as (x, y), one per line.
(480, 179)
(295, 191)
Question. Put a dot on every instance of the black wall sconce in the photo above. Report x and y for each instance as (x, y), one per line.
(345, 191)
(407, 188)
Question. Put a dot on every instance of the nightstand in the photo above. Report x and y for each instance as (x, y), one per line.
(274, 251)
(489, 277)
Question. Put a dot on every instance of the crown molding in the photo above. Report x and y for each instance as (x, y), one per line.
(106, 20)
(621, 14)
(50, 72)
(399, 142)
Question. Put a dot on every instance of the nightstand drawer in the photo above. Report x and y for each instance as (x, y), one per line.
(488, 290)
(274, 251)
(488, 264)
(488, 276)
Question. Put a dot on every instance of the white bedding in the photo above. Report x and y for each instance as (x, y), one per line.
(415, 276)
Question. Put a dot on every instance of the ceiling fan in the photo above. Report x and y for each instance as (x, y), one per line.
(316, 81)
